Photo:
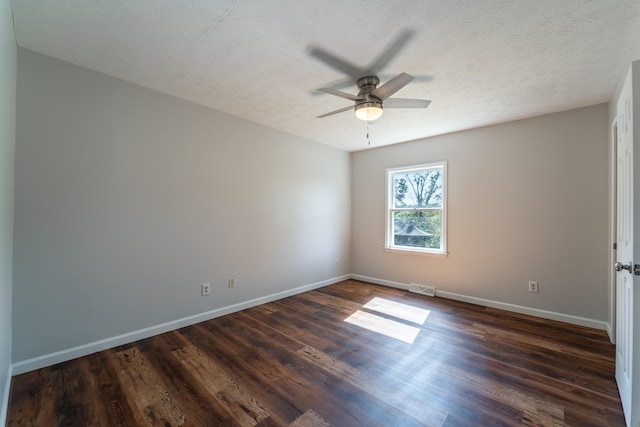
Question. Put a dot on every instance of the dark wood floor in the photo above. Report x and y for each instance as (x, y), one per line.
(296, 362)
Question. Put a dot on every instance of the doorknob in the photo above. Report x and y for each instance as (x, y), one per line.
(619, 267)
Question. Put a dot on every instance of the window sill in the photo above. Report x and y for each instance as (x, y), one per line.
(416, 252)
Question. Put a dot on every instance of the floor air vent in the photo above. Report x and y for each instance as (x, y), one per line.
(422, 289)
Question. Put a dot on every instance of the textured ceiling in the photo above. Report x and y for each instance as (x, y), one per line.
(480, 62)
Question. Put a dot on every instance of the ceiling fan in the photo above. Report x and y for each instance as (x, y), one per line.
(371, 98)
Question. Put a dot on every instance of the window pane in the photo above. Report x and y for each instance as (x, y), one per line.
(418, 229)
(421, 189)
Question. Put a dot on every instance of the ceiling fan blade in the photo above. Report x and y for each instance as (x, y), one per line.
(406, 103)
(346, 83)
(384, 77)
(341, 94)
(391, 51)
(336, 112)
(392, 86)
(337, 63)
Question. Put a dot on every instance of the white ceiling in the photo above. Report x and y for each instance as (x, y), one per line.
(480, 62)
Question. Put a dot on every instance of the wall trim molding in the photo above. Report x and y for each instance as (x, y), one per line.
(551, 315)
(4, 405)
(611, 333)
(96, 346)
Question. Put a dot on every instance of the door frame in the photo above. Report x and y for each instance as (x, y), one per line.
(613, 212)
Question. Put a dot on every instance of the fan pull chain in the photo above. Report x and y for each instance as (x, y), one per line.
(368, 139)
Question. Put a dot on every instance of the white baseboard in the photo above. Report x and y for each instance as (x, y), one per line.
(86, 349)
(567, 318)
(612, 336)
(383, 282)
(4, 405)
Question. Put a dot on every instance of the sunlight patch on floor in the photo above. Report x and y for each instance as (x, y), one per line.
(397, 309)
(384, 326)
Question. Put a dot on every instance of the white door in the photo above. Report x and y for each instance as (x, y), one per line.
(624, 240)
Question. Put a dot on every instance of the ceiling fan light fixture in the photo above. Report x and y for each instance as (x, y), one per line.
(368, 111)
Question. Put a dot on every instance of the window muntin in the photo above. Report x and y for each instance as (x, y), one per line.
(416, 208)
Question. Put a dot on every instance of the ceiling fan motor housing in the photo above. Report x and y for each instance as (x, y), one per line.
(370, 107)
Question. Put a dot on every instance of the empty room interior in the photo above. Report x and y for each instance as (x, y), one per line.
(243, 213)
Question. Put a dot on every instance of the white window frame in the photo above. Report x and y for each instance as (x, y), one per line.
(389, 241)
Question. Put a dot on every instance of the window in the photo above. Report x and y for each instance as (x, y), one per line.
(416, 208)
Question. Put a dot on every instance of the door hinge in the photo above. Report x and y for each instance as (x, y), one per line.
(615, 246)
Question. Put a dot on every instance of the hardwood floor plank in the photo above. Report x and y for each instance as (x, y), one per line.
(210, 339)
(147, 390)
(244, 408)
(190, 394)
(105, 392)
(296, 362)
(69, 387)
(310, 419)
(32, 400)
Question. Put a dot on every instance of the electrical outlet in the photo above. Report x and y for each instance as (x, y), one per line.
(205, 289)
(336, 261)
(232, 283)
(533, 287)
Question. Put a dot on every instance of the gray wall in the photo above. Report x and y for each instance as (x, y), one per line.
(527, 201)
(127, 200)
(8, 65)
